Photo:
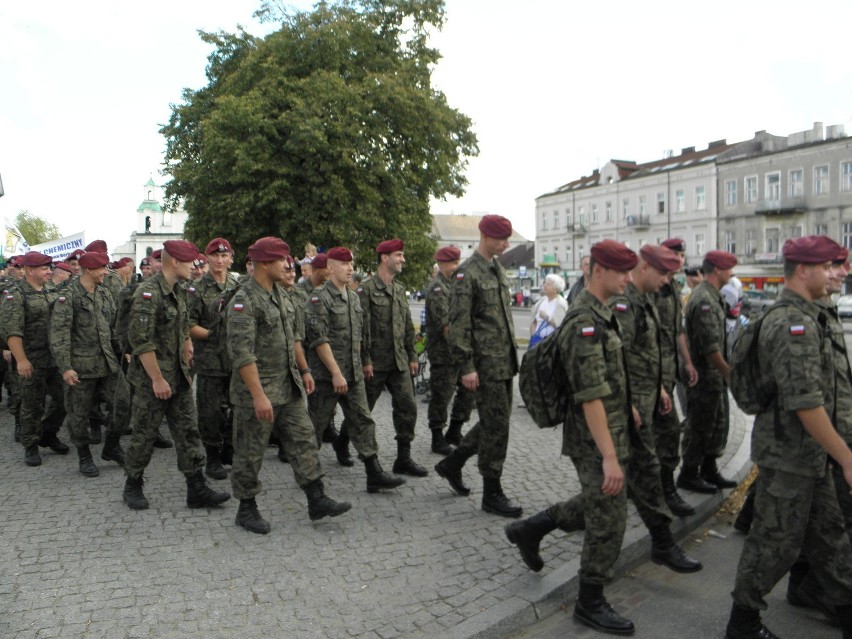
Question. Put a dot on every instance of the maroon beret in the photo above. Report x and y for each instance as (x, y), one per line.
(447, 254)
(75, 255)
(661, 258)
(93, 259)
(811, 249)
(124, 261)
(13, 260)
(115, 265)
(320, 260)
(268, 249)
(340, 253)
(34, 258)
(675, 244)
(218, 245)
(721, 259)
(200, 259)
(62, 266)
(98, 246)
(181, 250)
(614, 255)
(842, 256)
(157, 255)
(389, 246)
(495, 226)
(144, 262)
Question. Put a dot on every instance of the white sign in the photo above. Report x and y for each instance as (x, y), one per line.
(522, 271)
(62, 246)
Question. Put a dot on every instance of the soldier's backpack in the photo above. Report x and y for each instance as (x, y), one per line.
(753, 389)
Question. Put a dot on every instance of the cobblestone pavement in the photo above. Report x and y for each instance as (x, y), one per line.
(415, 562)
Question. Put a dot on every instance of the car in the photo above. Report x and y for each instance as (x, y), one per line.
(844, 306)
(755, 302)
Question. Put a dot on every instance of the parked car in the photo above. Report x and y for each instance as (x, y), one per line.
(844, 306)
(756, 302)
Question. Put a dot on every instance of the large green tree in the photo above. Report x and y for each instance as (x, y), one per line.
(35, 230)
(327, 131)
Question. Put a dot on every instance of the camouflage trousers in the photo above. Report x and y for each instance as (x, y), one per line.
(358, 419)
(79, 400)
(251, 438)
(121, 404)
(443, 382)
(13, 387)
(44, 383)
(489, 438)
(603, 517)
(642, 474)
(844, 497)
(706, 432)
(667, 431)
(793, 513)
(215, 418)
(403, 405)
(148, 413)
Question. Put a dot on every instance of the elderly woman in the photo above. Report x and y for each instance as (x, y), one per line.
(549, 310)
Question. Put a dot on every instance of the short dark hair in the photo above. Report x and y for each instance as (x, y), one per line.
(790, 268)
(707, 267)
(592, 262)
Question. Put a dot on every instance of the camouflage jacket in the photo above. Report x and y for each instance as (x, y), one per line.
(482, 334)
(705, 328)
(307, 286)
(388, 329)
(158, 322)
(592, 353)
(25, 313)
(298, 297)
(120, 325)
(437, 317)
(80, 332)
(640, 333)
(202, 297)
(843, 374)
(670, 311)
(336, 318)
(794, 349)
(113, 283)
(260, 331)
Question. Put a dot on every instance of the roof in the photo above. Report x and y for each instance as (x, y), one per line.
(149, 205)
(463, 228)
(521, 255)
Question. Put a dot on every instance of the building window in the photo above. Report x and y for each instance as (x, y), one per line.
(581, 216)
(773, 187)
(750, 188)
(543, 221)
(608, 211)
(555, 220)
(731, 241)
(661, 203)
(847, 235)
(699, 243)
(730, 193)
(568, 255)
(772, 239)
(820, 229)
(700, 198)
(568, 220)
(846, 176)
(680, 201)
(797, 183)
(751, 242)
(625, 208)
(821, 180)
(796, 230)
(594, 213)
(642, 205)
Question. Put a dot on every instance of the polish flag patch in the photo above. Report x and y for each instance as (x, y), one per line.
(314, 299)
(147, 296)
(621, 307)
(238, 307)
(798, 329)
(10, 297)
(61, 299)
(587, 331)
(459, 276)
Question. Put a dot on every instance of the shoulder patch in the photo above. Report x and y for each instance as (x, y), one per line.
(437, 289)
(587, 331)
(146, 295)
(61, 299)
(315, 299)
(239, 307)
(797, 329)
(359, 290)
(705, 308)
(10, 297)
(191, 289)
(459, 276)
(621, 307)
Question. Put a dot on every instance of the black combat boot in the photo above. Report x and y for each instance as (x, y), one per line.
(746, 515)
(527, 536)
(450, 468)
(227, 454)
(213, 468)
(404, 465)
(689, 479)
(341, 448)
(744, 623)
(319, 505)
(330, 433)
(51, 441)
(112, 449)
(32, 456)
(87, 464)
(17, 429)
(160, 441)
(133, 495)
(674, 501)
(710, 473)
(592, 609)
(844, 613)
(666, 552)
(200, 495)
(377, 478)
(453, 434)
(439, 442)
(95, 436)
(494, 501)
(248, 516)
(282, 454)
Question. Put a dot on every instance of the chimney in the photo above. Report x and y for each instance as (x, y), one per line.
(687, 149)
(716, 143)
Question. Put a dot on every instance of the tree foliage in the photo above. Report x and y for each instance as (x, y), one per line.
(327, 131)
(35, 229)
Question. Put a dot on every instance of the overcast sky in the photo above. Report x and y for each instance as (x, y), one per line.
(555, 89)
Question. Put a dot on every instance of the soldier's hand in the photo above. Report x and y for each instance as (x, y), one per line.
(368, 371)
(637, 419)
(613, 476)
(161, 388)
(25, 368)
(470, 381)
(338, 382)
(188, 352)
(7, 355)
(665, 402)
(691, 375)
(414, 368)
(308, 381)
(263, 409)
(70, 377)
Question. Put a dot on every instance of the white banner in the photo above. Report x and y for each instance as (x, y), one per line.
(60, 247)
(13, 242)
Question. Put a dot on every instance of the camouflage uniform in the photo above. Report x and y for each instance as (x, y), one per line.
(210, 359)
(81, 340)
(795, 503)
(444, 378)
(25, 313)
(158, 323)
(482, 340)
(260, 330)
(123, 391)
(298, 297)
(591, 348)
(667, 428)
(336, 318)
(706, 431)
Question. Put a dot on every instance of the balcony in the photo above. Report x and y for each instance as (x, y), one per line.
(638, 221)
(788, 205)
(579, 229)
